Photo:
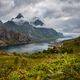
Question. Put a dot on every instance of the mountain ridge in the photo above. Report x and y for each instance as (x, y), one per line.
(35, 34)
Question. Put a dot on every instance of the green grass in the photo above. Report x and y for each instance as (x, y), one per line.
(45, 65)
(51, 67)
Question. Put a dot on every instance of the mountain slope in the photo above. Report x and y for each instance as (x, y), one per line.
(9, 37)
(19, 24)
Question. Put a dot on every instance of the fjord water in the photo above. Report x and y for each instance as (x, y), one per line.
(30, 48)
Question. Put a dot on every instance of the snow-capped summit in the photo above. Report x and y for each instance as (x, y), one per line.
(19, 19)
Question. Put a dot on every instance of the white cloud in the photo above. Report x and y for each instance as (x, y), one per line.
(64, 18)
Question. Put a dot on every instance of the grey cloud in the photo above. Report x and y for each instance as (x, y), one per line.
(69, 1)
(6, 6)
(62, 15)
(72, 25)
(21, 2)
(52, 14)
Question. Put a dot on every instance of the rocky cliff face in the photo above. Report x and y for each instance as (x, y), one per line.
(9, 37)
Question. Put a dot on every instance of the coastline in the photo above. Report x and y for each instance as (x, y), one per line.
(13, 45)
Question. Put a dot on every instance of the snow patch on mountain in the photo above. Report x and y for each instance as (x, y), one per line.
(19, 21)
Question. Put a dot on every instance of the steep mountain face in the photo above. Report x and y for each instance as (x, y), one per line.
(9, 37)
(18, 24)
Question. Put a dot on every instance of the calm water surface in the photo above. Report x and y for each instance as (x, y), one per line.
(30, 48)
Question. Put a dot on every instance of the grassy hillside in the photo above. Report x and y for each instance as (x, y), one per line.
(46, 65)
(73, 44)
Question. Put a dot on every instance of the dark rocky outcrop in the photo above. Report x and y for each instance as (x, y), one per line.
(9, 37)
(19, 16)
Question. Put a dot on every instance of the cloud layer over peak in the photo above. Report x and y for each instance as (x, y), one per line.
(62, 15)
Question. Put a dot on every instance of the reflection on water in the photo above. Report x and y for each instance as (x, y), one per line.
(30, 48)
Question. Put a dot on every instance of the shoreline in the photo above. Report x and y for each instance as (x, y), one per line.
(24, 43)
(13, 45)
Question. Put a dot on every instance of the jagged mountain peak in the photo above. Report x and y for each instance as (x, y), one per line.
(19, 19)
(31, 29)
(19, 16)
(37, 21)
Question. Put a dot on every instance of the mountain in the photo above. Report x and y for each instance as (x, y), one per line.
(9, 37)
(1, 23)
(20, 25)
(36, 21)
(19, 16)
(19, 19)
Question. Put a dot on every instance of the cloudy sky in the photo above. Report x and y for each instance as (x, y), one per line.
(62, 15)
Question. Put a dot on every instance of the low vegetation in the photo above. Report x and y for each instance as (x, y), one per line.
(53, 64)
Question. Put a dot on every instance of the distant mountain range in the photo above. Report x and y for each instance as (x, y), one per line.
(29, 29)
